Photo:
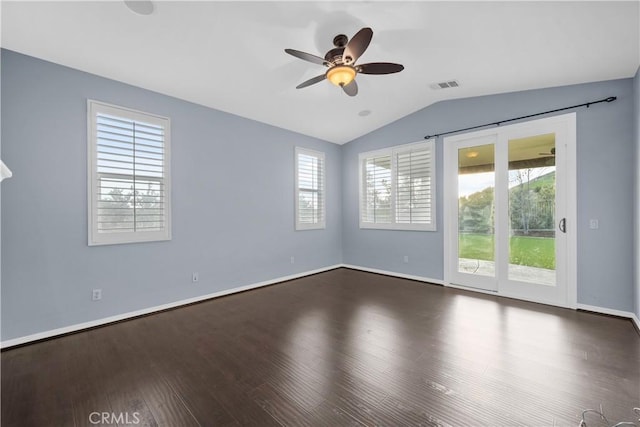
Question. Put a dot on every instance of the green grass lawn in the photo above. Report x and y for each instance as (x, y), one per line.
(530, 251)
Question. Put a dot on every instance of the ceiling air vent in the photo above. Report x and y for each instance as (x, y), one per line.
(444, 85)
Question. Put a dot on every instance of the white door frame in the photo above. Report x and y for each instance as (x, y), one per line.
(570, 166)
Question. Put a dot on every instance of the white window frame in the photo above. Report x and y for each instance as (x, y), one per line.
(393, 153)
(321, 191)
(94, 237)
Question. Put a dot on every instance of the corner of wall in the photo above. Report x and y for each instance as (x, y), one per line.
(342, 214)
(1, 50)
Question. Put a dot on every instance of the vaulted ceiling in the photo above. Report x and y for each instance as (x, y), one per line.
(230, 55)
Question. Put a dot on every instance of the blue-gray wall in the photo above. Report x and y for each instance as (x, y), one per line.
(605, 186)
(233, 198)
(232, 204)
(636, 126)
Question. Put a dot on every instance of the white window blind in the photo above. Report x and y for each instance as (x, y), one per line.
(413, 186)
(129, 176)
(397, 187)
(376, 203)
(310, 195)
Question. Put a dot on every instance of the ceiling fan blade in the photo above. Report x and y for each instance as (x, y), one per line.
(351, 89)
(357, 45)
(307, 57)
(312, 81)
(380, 68)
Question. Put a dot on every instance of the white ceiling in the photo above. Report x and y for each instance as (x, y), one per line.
(230, 55)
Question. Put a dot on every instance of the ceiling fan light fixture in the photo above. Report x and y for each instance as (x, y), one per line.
(341, 75)
(341, 62)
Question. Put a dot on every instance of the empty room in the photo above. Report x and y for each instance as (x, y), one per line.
(318, 213)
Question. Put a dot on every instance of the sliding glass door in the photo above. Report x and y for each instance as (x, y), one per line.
(507, 195)
(475, 212)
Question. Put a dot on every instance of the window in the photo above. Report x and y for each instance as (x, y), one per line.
(309, 197)
(129, 181)
(397, 187)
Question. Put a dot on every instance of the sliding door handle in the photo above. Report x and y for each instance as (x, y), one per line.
(562, 225)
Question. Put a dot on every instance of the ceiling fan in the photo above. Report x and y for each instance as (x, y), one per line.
(341, 62)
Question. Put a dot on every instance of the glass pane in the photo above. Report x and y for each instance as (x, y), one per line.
(126, 203)
(413, 187)
(115, 203)
(532, 195)
(308, 207)
(308, 172)
(476, 230)
(377, 181)
(149, 202)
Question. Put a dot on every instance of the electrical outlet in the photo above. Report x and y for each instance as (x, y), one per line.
(195, 277)
(293, 260)
(406, 259)
(96, 294)
(593, 224)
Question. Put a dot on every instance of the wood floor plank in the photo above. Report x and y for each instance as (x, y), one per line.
(328, 414)
(148, 379)
(286, 411)
(214, 372)
(196, 389)
(340, 348)
(88, 381)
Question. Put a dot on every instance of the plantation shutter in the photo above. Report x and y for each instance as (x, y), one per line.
(130, 185)
(397, 187)
(376, 203)
(310, 200)
(413, 186)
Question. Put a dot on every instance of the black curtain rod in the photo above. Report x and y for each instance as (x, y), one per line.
(586, 104)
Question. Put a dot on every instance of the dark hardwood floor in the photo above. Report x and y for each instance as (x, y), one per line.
(339, 348)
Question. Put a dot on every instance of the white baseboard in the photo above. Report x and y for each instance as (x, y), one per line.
(394, 274)
(99, 322)
(611, 311)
